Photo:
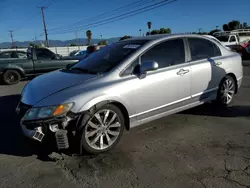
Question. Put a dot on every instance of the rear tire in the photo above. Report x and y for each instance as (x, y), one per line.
(226, 91)
(11, 77)
(102, 129)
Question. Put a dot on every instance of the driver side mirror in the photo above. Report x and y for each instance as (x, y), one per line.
(146, 67)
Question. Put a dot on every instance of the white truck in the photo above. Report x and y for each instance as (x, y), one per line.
(235, 37)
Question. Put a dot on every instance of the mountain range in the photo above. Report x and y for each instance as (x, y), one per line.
(57, 43)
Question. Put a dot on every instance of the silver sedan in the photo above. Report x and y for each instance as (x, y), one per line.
(127, 84)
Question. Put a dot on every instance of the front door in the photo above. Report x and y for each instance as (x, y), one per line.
(164, 89)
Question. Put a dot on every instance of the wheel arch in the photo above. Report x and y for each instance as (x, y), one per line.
(97, 103)
(18, 69)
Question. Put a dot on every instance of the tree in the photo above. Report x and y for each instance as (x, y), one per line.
(149, 26)
(72, 44)
(103, 42)
(234, 25)
(154, 32)
(125, 37)
(244, 26)
(225, 27)
(33, 45)
(89, 36)
(161, 31)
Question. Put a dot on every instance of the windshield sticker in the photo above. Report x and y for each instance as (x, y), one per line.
(132, 46)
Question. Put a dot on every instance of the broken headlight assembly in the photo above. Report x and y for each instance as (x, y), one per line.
(47, 112)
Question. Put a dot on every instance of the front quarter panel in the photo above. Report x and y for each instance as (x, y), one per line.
(89, 94)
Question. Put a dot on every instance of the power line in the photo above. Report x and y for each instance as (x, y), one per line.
(120, 17)
(107, 13)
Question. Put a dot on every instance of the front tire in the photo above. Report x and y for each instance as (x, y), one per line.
(226, 91)
(11, 77)
(103, 129)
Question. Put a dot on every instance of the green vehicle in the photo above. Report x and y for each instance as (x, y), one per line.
(38, 61)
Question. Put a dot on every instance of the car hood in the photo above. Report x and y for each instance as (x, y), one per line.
(51, 83)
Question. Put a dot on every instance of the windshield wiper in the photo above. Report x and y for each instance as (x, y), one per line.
(84, 70)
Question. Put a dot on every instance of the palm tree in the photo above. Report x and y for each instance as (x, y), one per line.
(149, 26)
(140, 31)
(89, 36)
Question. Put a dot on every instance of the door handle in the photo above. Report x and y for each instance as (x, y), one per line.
(181, 72)
(217, 63)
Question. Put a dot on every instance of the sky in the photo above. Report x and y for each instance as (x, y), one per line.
(25, 18)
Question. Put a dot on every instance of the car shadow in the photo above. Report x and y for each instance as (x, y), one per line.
(12, 140)
(211, 109)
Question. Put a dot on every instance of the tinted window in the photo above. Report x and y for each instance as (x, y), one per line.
(107, 58)
(166, 54)
(202, 49)
(13, 55)
(5, 55)
(232, 39)
(44, 54)
(22, 55)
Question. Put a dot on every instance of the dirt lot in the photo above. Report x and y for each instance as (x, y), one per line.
(202, 147)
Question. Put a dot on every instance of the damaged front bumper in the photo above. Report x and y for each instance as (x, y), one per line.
(35, 134)
(59, 127)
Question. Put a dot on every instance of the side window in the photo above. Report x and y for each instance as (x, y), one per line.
(5, 55)
(166, 54)
(13, 55)
(232, 39)
(202, 49)
(22, 55)
(43, 54)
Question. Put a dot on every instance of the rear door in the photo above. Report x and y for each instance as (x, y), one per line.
(205, 58)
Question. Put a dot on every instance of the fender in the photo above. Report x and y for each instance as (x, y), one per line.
(103, 98)
(15, 67)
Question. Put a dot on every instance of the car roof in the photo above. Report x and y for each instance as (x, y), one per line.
(12, 51)
(165, 36)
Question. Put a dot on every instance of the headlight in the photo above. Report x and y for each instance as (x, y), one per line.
(46, 112)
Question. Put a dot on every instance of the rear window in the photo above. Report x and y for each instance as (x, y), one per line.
(202, 49)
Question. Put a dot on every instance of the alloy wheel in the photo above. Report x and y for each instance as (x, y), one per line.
(227, 91)
(103, 129)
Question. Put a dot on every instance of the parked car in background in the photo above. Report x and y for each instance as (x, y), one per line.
(127, 84)
(90, 50)
(73, 52)
(235, 37)
(13, 54)
(80, 53)
(31, 63)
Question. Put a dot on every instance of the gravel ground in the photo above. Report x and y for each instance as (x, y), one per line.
(201, 147)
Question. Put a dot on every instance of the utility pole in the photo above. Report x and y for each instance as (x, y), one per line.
(44, 25)
(11, 36)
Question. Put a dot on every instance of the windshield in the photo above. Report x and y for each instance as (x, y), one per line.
(109, 57)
